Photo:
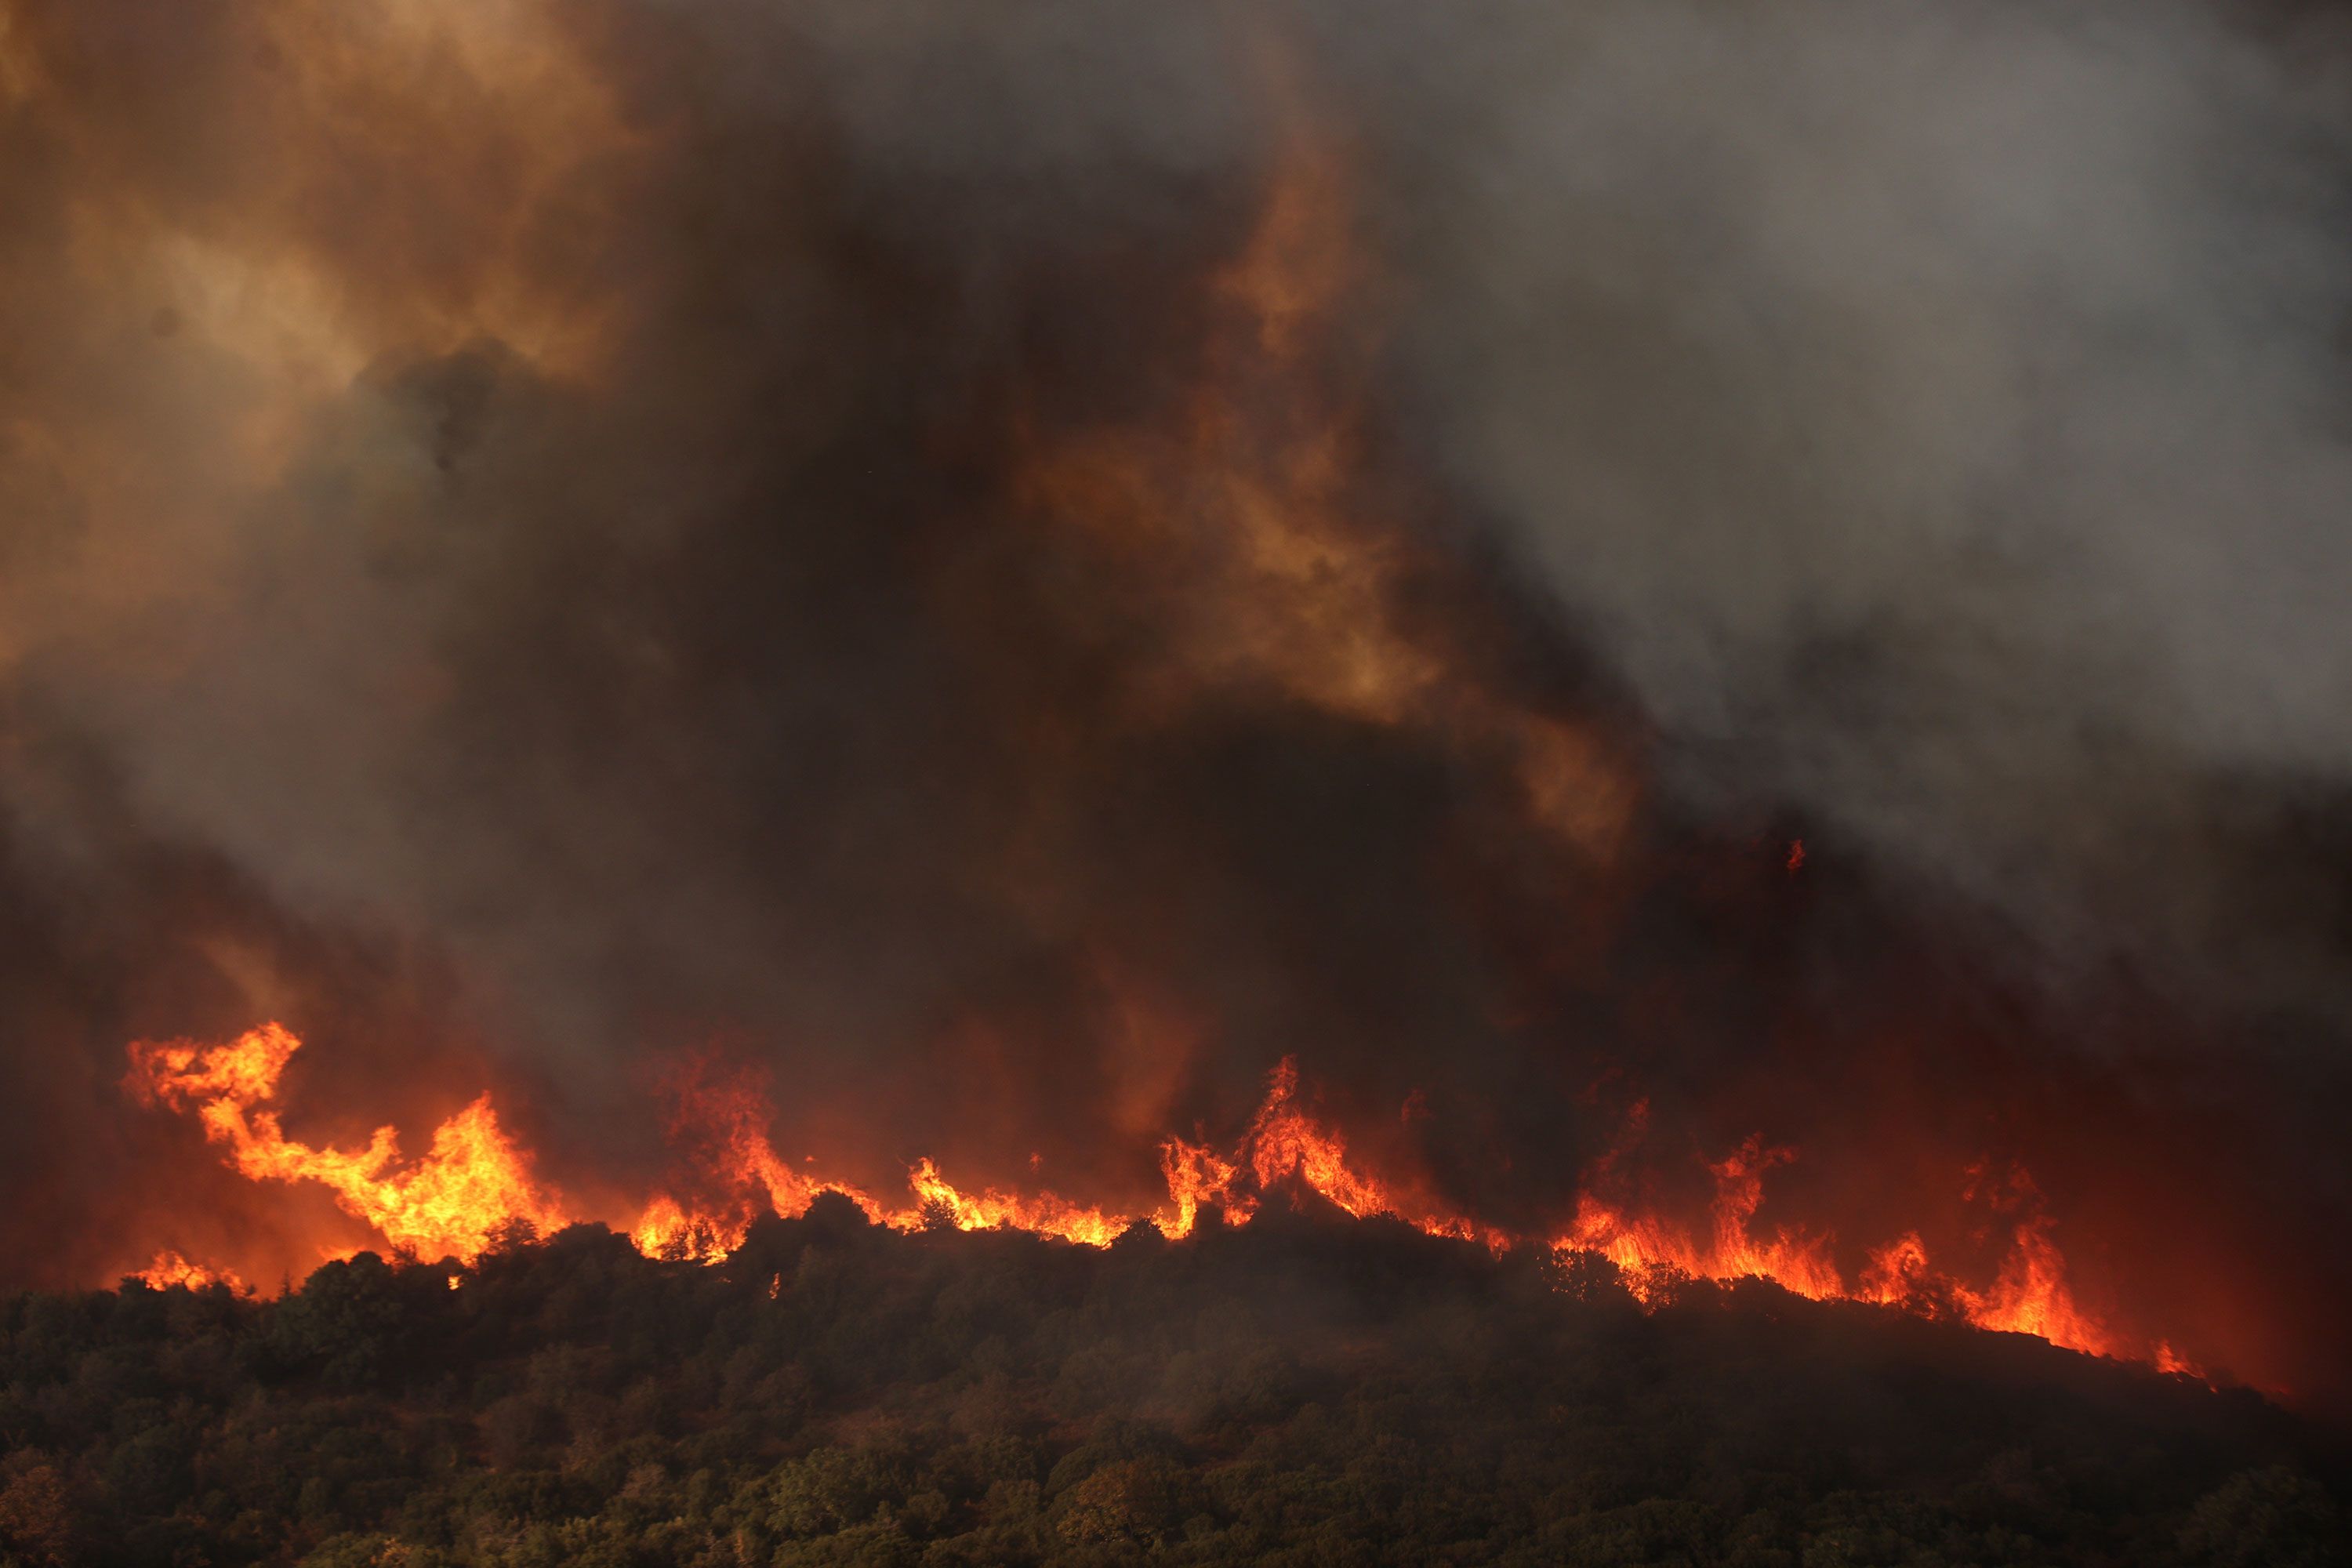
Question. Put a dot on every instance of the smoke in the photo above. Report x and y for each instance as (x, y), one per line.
(1939, 415)
(541, 534)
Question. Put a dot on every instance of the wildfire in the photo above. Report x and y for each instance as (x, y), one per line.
(1196, 1176)
(724, 1120)
(1648, 1249)
(471, 1184)
(1285, 1142)
(2030, 1296)
(941, 1202)
(170, 1268)
(1254, 492)
(475, 1185)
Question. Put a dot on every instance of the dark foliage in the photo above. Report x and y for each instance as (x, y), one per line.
(1296, 1392)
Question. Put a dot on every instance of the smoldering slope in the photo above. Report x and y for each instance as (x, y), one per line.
(521, 555)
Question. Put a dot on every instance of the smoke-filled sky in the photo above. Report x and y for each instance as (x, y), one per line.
(1016, 564)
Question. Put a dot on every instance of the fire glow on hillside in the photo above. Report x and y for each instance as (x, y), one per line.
(475, 1186)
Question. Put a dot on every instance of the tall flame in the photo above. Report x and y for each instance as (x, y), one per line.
(1197, 1177)
(1283, 1142)
(471, 1184)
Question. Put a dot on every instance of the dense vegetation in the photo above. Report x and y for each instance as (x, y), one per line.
(1294, 1391)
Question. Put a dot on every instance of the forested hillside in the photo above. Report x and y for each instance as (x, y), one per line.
(1299, 1391)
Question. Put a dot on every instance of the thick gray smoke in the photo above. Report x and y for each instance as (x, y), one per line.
(1940, 415)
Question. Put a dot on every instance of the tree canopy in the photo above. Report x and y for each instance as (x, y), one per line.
(1300, 1391)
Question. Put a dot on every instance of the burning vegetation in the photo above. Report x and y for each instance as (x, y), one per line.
(682, 672)
(1252, 489)
(474, 1188)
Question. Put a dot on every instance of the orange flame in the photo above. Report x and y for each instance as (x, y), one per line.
(472, 1184)
(726, 1121)
(2030, 1295)
(1196, 1177)
(170, 1268)
(1650, 1249)
(1283, 1142)
(1045, 1213)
